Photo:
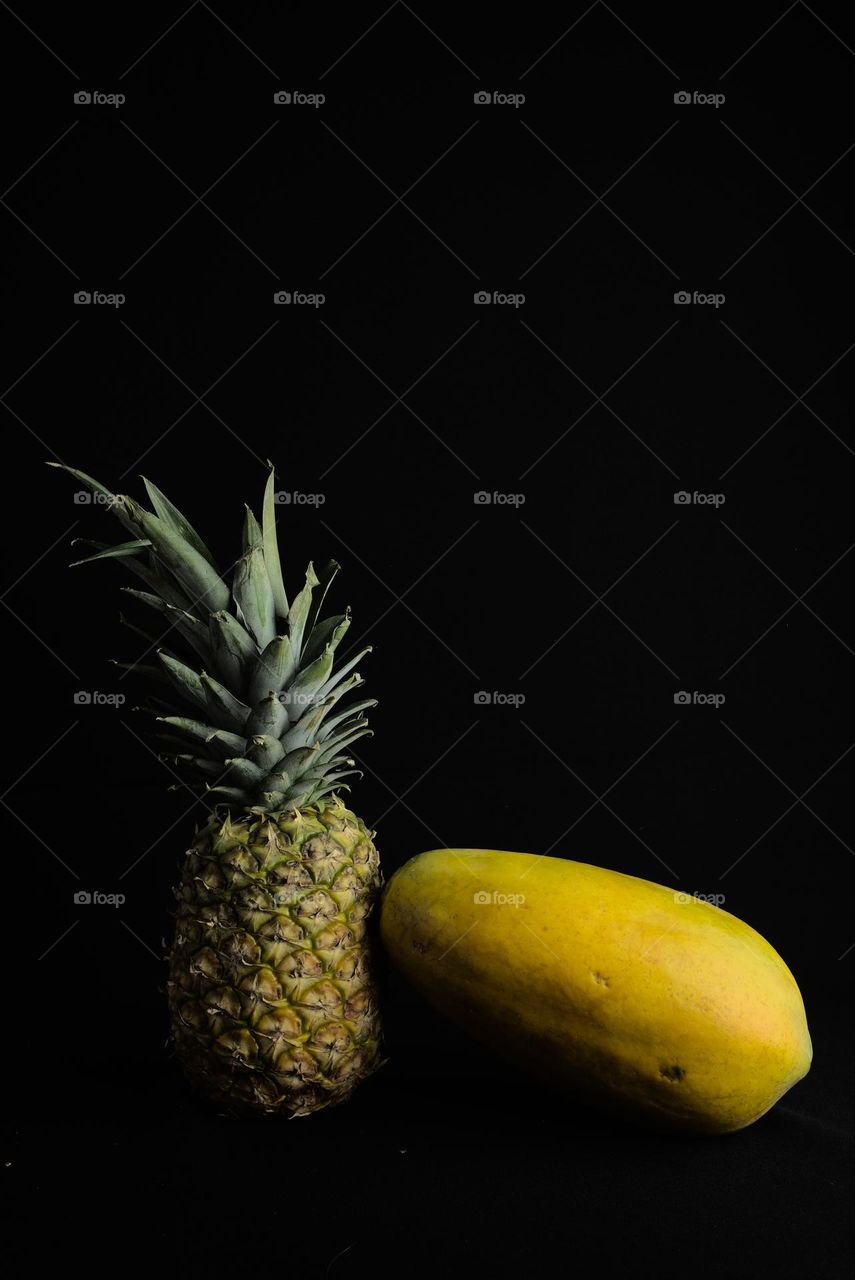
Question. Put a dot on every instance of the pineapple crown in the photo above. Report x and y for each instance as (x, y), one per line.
(257, 726)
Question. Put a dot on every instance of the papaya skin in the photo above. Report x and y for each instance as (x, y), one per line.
(624, 993)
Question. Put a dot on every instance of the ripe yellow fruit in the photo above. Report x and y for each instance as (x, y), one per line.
(651, 1002)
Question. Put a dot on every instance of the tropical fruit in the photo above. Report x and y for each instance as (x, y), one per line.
(653, 1003)
(272, 1002)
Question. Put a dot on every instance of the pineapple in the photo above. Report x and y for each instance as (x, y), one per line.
(272, 1004)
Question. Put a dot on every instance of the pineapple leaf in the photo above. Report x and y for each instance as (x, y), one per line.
(190, 567)
(274, 668)
(177, 522)
(271, 549)
(298, 615)
(106, 552)
(251, 591)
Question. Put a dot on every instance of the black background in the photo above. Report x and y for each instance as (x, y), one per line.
(597, 599)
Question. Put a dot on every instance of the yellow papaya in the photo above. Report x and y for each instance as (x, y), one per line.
(628, 994)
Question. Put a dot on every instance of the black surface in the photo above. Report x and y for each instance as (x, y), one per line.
(598, 599)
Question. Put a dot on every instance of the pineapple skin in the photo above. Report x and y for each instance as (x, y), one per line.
(272, 1003)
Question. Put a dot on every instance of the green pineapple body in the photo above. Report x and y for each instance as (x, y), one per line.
(272, 1002)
